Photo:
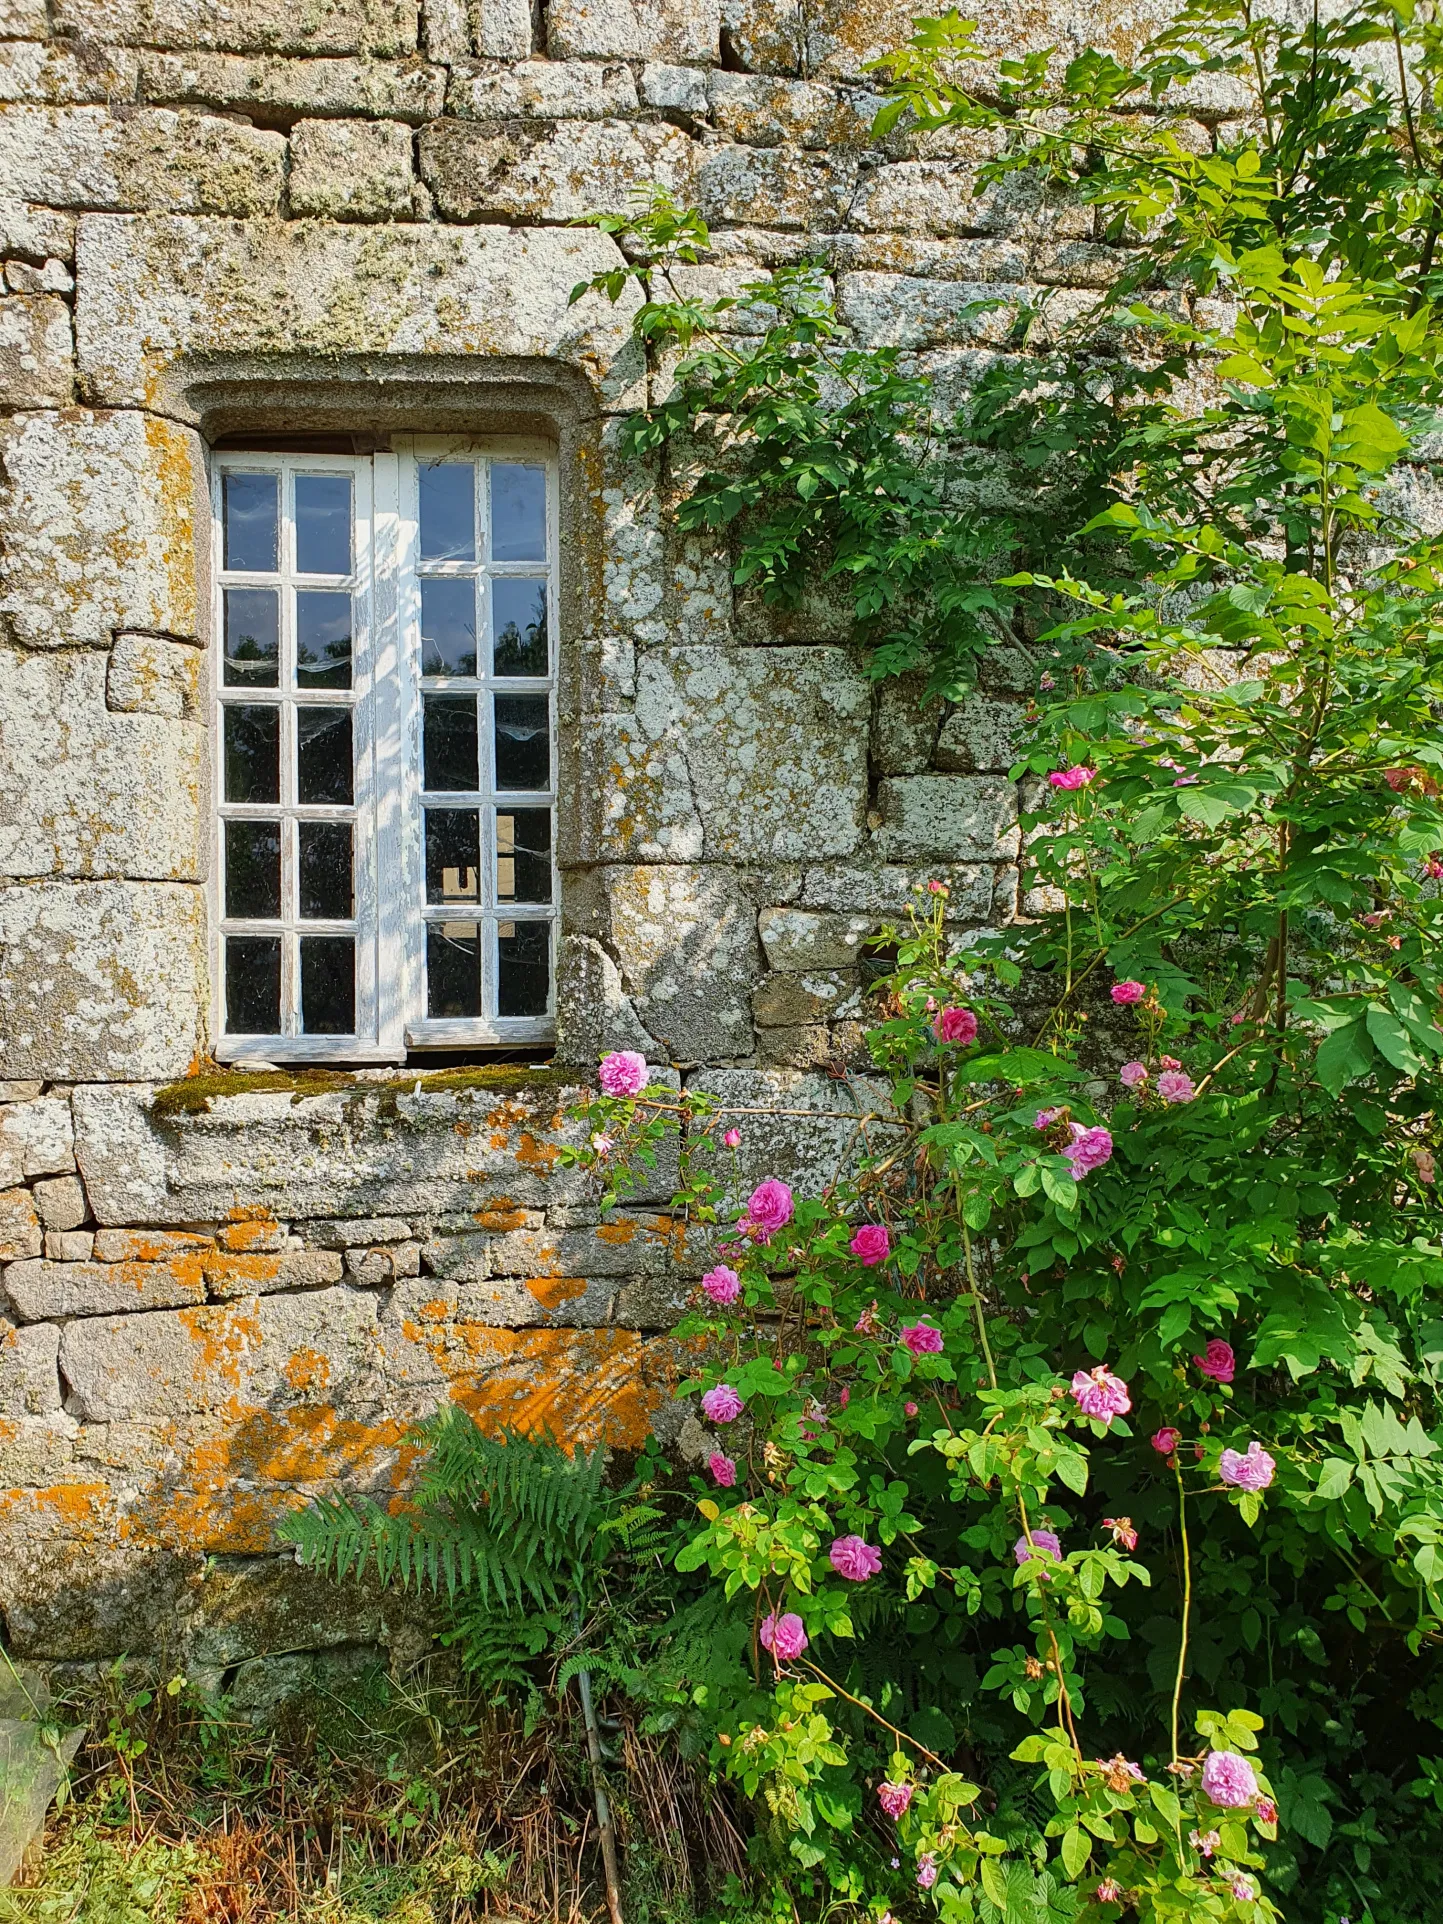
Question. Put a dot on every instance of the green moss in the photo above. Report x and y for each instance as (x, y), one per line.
(193, 1095)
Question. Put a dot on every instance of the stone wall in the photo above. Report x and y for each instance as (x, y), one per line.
(220, 1295)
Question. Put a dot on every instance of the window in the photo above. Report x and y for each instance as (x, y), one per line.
(385, 751)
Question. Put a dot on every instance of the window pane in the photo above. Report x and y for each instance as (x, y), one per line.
(518, 513)
(453, 969)
(327, 889)
(323, 524)
(523, 742)
(249, 515)
(252, 985)
(518, 626)
(523, 955)
(449, 743)
(323, 639)
(523, 855)
(253, 869)
(328, 985)
(448, 627)
(323, 755)
(252, 753)
(448, 512)
(252, 637)
(453, 855)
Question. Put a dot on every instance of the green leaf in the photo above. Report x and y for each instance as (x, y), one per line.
(1076, 1849)
(1344, 1056)
(1393, 1041)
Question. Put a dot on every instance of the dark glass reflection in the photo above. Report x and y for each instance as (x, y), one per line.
(523, 855)
(449, 743)
(518, 512)
(323, 638)
(323, 524)
(252, 753)
(327, 888)
(448, 512)
(518, 627)
(448, 627)
(249, 515)
(252, 637)
(253, 870)
(523, 742)
(453, 969)
(523, 962)
(328, 984)
(323, 755)
(252, 985)
(453, 855)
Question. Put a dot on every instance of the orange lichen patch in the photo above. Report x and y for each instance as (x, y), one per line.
(586, 1386)
(308, 1369)
(187, 1271)
(501, 1215)
(234, 1274)
(80, 1507)
(148, 1245)
(552, 1291)
(618, 1232)
(250, 1232)
(532, 1154)
(222, 1337)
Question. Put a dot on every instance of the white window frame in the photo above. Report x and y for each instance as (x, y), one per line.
(391, 914)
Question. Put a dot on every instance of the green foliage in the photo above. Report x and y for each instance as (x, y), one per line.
(1233, 601)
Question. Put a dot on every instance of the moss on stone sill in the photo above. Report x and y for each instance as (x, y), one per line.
(193, 1094)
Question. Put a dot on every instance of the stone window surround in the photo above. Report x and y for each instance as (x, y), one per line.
(386, 401)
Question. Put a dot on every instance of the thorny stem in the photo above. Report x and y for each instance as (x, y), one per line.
(1186, 1604)
(977, 1305)
(1065, 1721)
(876, 1715)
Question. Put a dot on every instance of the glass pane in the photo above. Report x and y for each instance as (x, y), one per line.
(249, 514)
(523, 855)
(252, 637)
(448, 627)
(328, 985)
(323, 754)
(253, 869)
(523, 957)
(323, 524)
(523, 742)
(327, 890)
(448, 512)
(252, 753)
(323, 639)
(518, 626)
(453, 855)
(518, 513)
(449, 743)
(453, 969)
(252, 985)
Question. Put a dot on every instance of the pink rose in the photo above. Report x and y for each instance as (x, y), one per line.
(1166, 1440)
(783, 1636)
(1076, 777)
(1045, 1544)
(723, 1285)
(1255, 1471)
(1128, 991)
(1175, 1085)
(871, 1245)
(723, 1469)
(855, 1560)
(1219, 1361)
(866, 1323)
(1229, 1780)
(1267, 1811)
(1433, 868)
(732, 1138)
(909, 1409)
(955, 1025)
(622, 1073)
(1100, 1394)
(922, 1339)
(894, 1798)
(927, 1870)
(722, 1405)
(1046, 1118)
(1088, 1150)
(769, 1208)
(1132, 1075)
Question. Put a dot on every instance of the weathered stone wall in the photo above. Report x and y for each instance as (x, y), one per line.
(220, 1298)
